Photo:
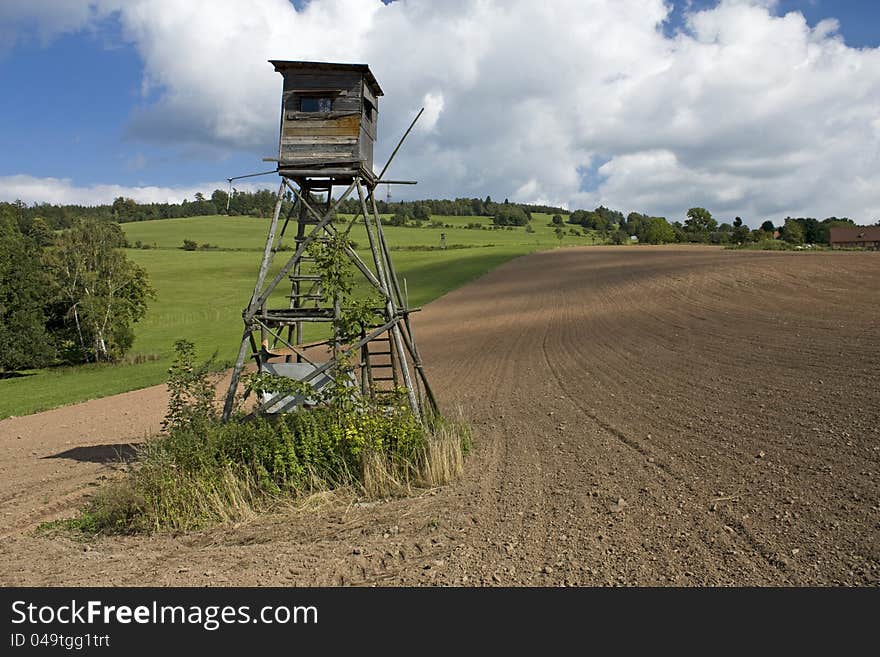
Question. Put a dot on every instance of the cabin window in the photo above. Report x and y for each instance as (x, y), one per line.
(368, 110)
(315, 104)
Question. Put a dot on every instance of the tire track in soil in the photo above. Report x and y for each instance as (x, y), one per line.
(650, 456)
(558, 357)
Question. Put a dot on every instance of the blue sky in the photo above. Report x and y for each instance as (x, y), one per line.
(75, 108)
(74, 101)
(859, 19)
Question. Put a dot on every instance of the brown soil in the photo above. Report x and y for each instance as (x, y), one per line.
(643, 416)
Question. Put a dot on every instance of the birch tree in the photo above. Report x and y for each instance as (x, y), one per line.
(100, 294)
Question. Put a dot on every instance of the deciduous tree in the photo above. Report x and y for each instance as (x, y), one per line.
(793, 232)
(99, 292)
(700, 220)
(24, 342)
(656, 230)
(510, 215)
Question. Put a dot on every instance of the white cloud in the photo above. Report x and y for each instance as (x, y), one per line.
(31, 189)
(40, 19)
(744, 112)
(208, 58)
(433, 104)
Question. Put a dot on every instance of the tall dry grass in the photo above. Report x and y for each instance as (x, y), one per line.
(180, 484)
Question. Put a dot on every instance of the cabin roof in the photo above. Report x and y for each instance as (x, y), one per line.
(285, 65)
(854, 234)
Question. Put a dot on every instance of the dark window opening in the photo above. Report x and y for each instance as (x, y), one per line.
(315, 104)
(368, 110)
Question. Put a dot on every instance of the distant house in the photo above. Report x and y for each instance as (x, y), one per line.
(855, 236)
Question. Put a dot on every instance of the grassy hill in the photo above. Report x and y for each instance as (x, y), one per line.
(200, 294)
(247, 233)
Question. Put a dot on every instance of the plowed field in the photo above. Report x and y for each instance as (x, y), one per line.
(649, 416)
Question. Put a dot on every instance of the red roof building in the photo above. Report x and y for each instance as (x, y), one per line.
(855, 236)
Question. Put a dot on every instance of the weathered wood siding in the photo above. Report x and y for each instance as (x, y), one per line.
(370, 101)
(369, 122)
(342, 135)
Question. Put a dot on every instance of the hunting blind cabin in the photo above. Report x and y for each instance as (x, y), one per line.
(329, 114)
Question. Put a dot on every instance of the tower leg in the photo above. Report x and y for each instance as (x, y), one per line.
(386, 276)
(236, 374)
(249, 312)
(408, 337)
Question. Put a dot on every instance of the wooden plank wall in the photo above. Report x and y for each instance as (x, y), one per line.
(317, 138)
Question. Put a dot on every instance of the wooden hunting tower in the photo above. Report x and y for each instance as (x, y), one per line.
(328, 128)
(329, 114)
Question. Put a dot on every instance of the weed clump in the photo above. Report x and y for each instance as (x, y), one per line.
(202, 471)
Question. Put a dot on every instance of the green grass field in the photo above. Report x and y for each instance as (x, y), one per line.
(200, 294)
(247, 233)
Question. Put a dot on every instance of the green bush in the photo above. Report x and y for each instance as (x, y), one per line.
(211, 472)
(510, 215)
(763, 245)
(203, 471)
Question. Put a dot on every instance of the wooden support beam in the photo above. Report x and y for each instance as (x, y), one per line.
(304, 244)
(261, 277)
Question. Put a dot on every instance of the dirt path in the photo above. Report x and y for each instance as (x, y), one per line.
(644, 416)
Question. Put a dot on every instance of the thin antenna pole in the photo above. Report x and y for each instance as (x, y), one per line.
(249, 175)
(400, 143)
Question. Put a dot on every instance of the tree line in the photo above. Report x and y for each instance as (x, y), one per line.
(66, 298)
(511, 214)
(699, 226)
(260, 203)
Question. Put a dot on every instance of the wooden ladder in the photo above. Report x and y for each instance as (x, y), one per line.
(379, 362)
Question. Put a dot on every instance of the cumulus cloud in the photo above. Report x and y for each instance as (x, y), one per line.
(31, 189)
(576, 102)
(433, 104)
(42, 20)
(208, 60)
